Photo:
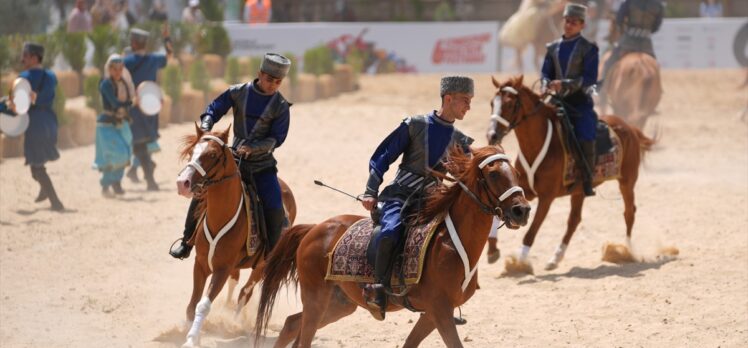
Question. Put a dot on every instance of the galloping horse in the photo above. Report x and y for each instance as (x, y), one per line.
(633, 87)
(486, 177)
(213, 174)
(534, 24)
(541, 161)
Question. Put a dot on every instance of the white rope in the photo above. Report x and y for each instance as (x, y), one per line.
(538, 160)
(493, 158)
(198, 150)
(495, 114)
(469, 273)
(213, 242)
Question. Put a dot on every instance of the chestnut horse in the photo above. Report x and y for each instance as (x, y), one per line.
(633, 87)
(213, 175)
(516, 107)
(488, 188)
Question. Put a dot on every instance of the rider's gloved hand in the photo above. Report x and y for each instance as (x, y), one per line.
(206, 123)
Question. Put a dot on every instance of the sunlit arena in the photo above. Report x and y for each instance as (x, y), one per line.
(506, 173)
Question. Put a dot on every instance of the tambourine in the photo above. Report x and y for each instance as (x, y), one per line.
(149, 98)
(21, 93)
(14, 126)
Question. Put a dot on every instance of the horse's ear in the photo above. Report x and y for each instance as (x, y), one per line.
(198, 130)
(225, 134)
(495, 83)
(519, 80)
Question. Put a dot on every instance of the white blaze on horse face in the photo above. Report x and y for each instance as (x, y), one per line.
(496, 113)
(185, 177)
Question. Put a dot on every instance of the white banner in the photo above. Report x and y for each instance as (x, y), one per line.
(410, 47)
(681, 43)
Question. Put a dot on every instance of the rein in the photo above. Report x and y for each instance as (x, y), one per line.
(492, 207)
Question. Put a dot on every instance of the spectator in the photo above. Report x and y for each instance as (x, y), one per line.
(79, 19)
(710, 8)
(119, 19)
(158, 12)
(192, 13)
(100, 12)
(258, 11)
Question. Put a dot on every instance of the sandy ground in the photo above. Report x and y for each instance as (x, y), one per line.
(99, 275)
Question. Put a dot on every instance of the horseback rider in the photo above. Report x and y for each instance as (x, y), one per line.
(423, 141)
(261, 120)
(570, 70)
(636, 20)
(144, 67)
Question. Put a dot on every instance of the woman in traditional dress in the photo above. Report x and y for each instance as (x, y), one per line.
(113, 135)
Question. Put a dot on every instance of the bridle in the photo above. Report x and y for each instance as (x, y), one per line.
(496, 112)
(209, 180)
(492, 206)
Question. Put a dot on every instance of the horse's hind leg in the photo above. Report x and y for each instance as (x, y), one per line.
(441, 315)
(575, 217)
(629, 212)
(339, 308)
(233, 280)
(248, 288)
(317, 301)
(423, 328)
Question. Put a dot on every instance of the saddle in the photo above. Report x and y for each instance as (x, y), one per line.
(608, 151)
(348, 259)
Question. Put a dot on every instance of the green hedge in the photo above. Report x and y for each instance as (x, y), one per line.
(318, 60)
(293, 72)
(91, 91)
(199, 79)
(173, 83)
(233, 71)
(58, 105)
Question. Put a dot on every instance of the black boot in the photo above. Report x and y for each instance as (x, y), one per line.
(42, 196)
(40, 175)
(382, 274)
(132, 174)
(190, 223)
(588, 152)
(274, 219)
(150, 181)
(117, 188)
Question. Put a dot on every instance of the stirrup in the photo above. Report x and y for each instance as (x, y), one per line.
(182, 244)
(371, 294)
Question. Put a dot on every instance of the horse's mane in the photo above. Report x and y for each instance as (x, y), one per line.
(462, 167)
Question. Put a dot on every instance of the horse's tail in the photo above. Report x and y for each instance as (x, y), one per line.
(280, 269)
(645, 143)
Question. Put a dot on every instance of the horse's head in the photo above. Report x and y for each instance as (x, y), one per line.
(511, 104)
(210, 161)
(489, 179)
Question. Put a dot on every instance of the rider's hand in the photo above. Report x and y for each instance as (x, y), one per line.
(33, 97)
(369, 202)
(555, 86)
(244, 151)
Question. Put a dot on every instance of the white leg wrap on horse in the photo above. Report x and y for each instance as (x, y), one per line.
(202, 310)
(523, 252)
(559, 254)
(494, 232)
(628, 243)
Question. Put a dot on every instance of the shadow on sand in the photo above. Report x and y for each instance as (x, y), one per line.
(627, 270)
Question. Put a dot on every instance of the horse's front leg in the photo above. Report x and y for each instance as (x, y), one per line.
(220, 275)
(441, 316)
(199, 275)
(575, 217)
(232, 282)
(423, 328)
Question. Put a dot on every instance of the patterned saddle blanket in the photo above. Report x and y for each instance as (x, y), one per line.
(347, 261)
(609, 156)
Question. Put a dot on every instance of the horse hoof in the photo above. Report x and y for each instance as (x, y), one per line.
(191, 343)
(493, 256)
(551, 266)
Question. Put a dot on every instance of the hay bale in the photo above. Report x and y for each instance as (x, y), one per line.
(164, 117)
(82, 124)
(306, 88)
(65, 137)
(217, 87)
(326, 86)
(343, 78)
(214, 64)
(286, 90)
(69, 81)
(186, 60)
(12, 146)
(191, 107)
(91, 71)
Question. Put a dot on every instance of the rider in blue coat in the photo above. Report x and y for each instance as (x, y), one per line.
(423, 141)
(570, 70)
(261, 120)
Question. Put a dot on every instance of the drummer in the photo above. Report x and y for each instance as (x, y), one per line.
(40, 141)
(144, 67)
